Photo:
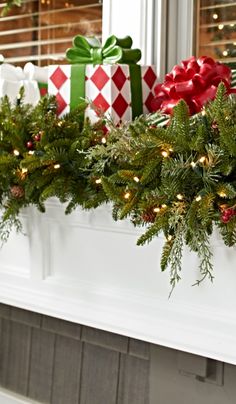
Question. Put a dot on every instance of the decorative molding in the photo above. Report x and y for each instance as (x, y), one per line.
(88, 270)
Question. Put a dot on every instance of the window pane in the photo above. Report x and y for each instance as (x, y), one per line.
(216, 29)
(41, 31)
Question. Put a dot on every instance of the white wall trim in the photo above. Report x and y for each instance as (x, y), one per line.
(118, 287)
(179, 326)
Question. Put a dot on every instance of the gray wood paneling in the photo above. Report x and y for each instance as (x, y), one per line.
(138, 348)
(61, 327)
(17, 367)
(5, 311)
(41, 365)
(66, 374)
(99, 375)
(169, 385)
(105, 339)
(133, 381)
(4, 349)
(59, 362)
(26, 317)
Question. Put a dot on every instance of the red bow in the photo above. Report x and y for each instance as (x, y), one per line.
(195, 81)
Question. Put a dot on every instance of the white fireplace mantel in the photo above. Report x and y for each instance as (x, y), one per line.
(87, 269)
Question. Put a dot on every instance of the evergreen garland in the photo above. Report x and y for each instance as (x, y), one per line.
(178, 179)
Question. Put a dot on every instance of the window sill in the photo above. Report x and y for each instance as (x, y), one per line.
(87, 269)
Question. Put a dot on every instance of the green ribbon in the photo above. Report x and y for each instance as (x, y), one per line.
(90, 51)
(77, 85)
(116, 50)
(136, 90)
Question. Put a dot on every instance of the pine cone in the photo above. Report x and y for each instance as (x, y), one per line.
(149, 216)
(17, 191)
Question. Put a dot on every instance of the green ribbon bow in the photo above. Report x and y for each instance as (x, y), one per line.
(90, 51)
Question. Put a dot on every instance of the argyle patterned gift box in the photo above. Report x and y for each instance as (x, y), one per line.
(107, 87)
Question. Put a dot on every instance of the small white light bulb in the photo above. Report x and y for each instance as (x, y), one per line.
(165, 153)
(202, 159)
(127, 195)
(222, 194)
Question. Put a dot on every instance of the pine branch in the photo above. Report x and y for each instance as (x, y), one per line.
(126, 210)
(205, 255)
(7, 226)
(152, 231)
(110, 191)
(175, 257)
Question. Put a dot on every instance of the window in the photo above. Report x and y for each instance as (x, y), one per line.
(216, 29)
(41, 31)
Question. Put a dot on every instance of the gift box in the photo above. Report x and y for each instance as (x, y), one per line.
(40, 74)
(111, 80)
(12, 79)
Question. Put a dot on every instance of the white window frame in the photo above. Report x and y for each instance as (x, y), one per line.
(145, 22)
(162, 29)
(180, 42)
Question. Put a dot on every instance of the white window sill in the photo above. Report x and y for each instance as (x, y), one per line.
(87, 269)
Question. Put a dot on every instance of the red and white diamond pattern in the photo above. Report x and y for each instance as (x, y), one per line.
(148, 82)
(104, 97)
(106, 86)
(59, 85)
